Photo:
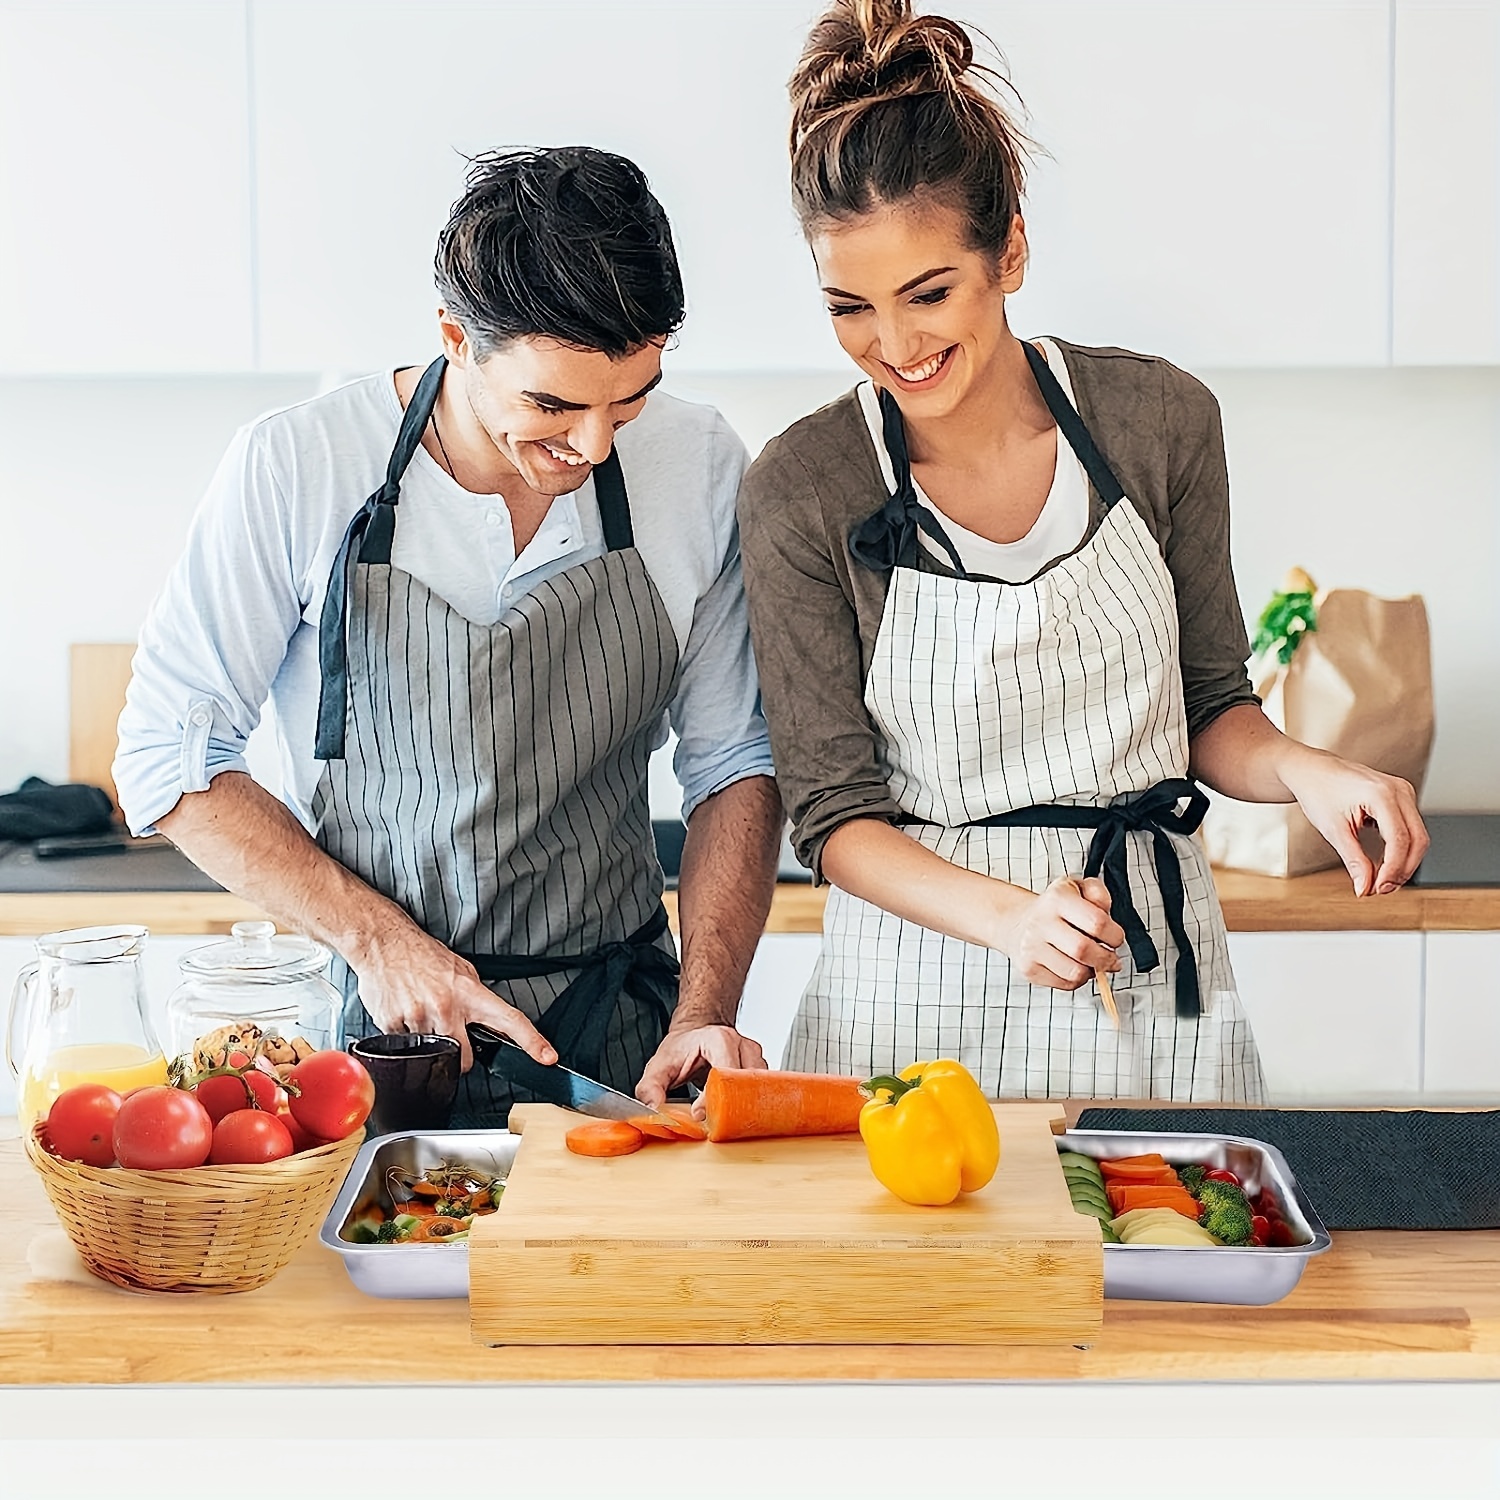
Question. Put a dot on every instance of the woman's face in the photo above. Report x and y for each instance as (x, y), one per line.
(914, 307)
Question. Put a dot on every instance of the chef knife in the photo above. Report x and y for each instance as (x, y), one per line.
(556, 1084)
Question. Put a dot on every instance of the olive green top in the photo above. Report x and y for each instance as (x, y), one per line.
(815, 612)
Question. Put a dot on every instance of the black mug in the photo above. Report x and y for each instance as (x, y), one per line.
(415, 1076)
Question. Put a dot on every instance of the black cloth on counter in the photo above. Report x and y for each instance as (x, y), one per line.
(1361, 1169)
(39, 810)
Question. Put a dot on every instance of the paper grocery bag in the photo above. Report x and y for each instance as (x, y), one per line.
(1359, 685)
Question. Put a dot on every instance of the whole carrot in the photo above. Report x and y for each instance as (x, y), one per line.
(746, 1103)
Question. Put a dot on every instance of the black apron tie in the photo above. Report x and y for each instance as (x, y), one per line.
(888, 538)
(367, 540)
(1155, 812)
(577, 1021)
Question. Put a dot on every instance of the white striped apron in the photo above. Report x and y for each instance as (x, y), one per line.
(492, 780)
(1051, 699)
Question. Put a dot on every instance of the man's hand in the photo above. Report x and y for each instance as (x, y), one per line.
(409, 981)
(689, 1050)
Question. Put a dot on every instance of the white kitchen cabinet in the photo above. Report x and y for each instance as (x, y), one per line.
(773, 988)
(365, 113)
(163, 951)
(1446, 218)
(1461, 1035)
(1337, 1015)
(125, 234)
(1217, 185)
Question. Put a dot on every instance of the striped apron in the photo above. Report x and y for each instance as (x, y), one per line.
(1033, 731)
(492, 780)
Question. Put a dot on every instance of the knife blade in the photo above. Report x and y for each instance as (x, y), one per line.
(556, 1084)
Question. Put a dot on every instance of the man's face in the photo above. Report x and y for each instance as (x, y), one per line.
(551, 410)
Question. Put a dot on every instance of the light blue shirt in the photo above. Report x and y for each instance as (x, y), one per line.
(236, 625)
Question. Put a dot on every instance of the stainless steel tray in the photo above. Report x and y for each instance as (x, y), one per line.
(410, 1270)
(1250, 1276)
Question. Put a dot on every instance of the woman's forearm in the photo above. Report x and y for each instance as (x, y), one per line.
(878, 863)
(1244, 755)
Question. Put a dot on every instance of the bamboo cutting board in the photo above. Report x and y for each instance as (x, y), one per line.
(778, 1242)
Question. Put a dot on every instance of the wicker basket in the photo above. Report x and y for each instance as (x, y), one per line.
(204, 1229)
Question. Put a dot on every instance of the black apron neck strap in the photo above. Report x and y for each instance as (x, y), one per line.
(888, 538)
(614, 504)
(1071, 425)
(368, 539)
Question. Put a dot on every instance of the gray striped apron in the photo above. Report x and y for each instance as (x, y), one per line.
(1029, 732)
(492, 780)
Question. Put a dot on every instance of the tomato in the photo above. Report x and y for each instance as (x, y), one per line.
(302, 1140)
(269, 1094)
(1221, 1174)
(249, 1135)
(81, 1124)
(335, 1094)
(1260, 1227)
(160, 1128)
(222, 1094)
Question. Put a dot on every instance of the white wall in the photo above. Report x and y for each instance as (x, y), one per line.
(1383, 479)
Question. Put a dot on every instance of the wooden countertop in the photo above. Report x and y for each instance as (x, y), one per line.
(1252, 903)
(1378, 1306)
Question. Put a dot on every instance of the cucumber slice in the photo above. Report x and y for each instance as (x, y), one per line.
(1077, 1159)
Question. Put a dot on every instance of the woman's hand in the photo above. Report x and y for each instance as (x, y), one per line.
(1339, 798)
(1059, 937)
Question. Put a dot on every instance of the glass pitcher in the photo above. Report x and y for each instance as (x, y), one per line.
(78, 1015)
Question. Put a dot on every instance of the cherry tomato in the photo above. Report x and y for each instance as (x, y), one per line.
(249, 1135)
(81, 1124)
(1260, 1227)
(1221, 1174)
(160, 1128)
(222, 1095)
(335, 1094)
(269, 1094)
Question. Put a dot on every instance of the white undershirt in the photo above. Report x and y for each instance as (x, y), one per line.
(1057, 530)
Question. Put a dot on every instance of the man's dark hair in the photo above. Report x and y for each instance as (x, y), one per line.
(566, 243)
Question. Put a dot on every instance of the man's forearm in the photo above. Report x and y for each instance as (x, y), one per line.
(251, 843)
(723, 895)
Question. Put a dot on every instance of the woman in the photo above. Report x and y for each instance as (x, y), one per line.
(997, 630)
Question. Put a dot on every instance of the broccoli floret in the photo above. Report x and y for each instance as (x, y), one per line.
(1226, 1212)
(390, 1233)
(1191, 1177)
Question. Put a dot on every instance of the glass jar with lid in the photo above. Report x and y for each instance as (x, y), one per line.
(276, 981)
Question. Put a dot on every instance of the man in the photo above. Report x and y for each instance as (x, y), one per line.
(471, 667)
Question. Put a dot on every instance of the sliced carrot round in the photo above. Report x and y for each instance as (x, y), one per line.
(604, 1138)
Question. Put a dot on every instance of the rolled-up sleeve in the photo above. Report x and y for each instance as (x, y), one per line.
(807, 645)
(212, 643)
(1213, 647)
(716, 711)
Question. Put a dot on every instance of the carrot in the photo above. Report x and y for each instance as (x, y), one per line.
(744, 1103)
(683, 1126)
(1125, 1196)
(417, 1209)
(438, 1227)
(1124, 1165)
(604, 1138)
(689, 1126)
(1144, 1172)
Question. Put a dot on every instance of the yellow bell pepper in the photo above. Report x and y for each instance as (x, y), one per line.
(930, 1133)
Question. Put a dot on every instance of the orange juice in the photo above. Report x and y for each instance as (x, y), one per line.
(120, 1066)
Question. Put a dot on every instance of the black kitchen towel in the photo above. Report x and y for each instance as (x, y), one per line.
(1361, 1169)
(39, 810)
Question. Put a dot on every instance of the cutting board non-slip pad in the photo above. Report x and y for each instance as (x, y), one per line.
(1361, 1169)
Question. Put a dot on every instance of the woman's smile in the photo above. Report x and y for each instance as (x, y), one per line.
(925, 374)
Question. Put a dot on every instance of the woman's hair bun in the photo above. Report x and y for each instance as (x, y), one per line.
(862, 52)
(887, 104)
